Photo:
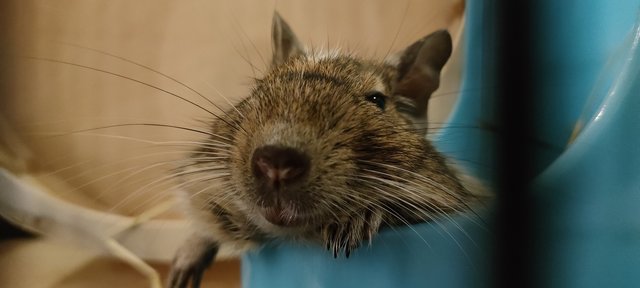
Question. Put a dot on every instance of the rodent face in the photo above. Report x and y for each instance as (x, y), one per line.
(324, 139)
(320, 109)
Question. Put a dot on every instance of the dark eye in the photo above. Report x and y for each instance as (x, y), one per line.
(377, 98)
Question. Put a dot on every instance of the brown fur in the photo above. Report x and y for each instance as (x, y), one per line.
(370, 167)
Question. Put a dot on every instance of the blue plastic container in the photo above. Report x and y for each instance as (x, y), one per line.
(589, 231)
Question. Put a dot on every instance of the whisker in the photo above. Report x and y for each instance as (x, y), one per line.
(246, 56)
(429, 182)
(409, 189)
(177, 187)
(157, 182)
(394, 214)
(225, 99)
(440, 225)
(217, 176)
(131, 79)
(395, 37)
(146, 68)
(211, 144)
(244, 34)
(137, 124)
(137, 171)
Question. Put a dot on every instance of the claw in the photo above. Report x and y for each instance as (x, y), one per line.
(339, 237)
(193, 258)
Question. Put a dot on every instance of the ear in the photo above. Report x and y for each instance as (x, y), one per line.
(285, 43)
(419, 73)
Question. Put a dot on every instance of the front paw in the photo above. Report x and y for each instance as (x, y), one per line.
(350, 233)
(190, 262)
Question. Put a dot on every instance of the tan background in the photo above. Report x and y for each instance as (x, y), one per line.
(215, 47)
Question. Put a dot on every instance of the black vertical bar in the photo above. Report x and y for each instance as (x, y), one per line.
(516, 102)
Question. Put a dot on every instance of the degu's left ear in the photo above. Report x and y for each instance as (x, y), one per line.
(419, 72)
(284, 41)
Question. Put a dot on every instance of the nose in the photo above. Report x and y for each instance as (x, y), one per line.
(278, 165)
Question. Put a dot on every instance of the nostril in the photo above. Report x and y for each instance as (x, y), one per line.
(279, 165)
(265, 168)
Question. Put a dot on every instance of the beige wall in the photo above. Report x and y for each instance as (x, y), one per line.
(212, 46)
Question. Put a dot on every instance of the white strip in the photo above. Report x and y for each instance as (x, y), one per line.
(32, 208)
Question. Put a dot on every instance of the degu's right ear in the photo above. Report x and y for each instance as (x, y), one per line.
(284, 41)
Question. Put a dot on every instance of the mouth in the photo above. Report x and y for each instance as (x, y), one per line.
(282, 215)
